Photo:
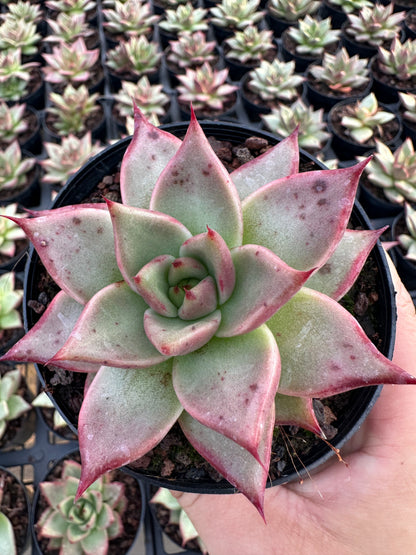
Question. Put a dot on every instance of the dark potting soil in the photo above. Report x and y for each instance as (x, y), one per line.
(172, 530)
(324, 89)
(13, 503)
(174, 458)
(130, 517)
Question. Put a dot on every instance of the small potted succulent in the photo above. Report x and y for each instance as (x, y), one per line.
(208, 91)
(308, 42)
(269, 85)
(75, 112)
(184, 19)
(127, 19)
(66, 158)
(394, 70)
(372, 27)
(355, 124)
(173, 521)
(67, 28)
(246, 49)
(283, 120)
(13, 244)
(281, 14)
(229, 16)
(22, 123)
(19, 34)
(18, 176)
(14, 514)
(404, 232)
(390, 180)
(407, 111)
(20, 81)
(338, 77)
(75, 64)
(104, 516)
(72, 7)
(199, 326)
(132, 59)
(337, 10)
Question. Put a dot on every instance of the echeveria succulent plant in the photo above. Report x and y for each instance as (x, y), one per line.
(84, 525)
(9, 231)
(12, 404)
(408, 240)
(210, 318)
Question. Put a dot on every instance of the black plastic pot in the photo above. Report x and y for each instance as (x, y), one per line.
(15, 505)
(301, 62)
(29, 196)
(405, 267)
(387, 92)
(337, 15)
(360, 401)
(375, 206)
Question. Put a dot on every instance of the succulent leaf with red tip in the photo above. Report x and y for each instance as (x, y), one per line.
(209, 299)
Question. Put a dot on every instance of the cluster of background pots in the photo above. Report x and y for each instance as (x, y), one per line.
(33, 458)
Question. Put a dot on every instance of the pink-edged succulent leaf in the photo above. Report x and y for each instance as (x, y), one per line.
(263, 284)
(199, 301)
(146, 156)
(302, 217)
(280, 161)
(152, 284)
(231, 460)
(325, 351)
(296, 411)
(211, 249)
(174, 337)
(200, 194)
(229, 385)
(125, 413)
(140, 235)
(110, 331)
(72, 239)
(49, 334)
(186, 268)
(340, 271)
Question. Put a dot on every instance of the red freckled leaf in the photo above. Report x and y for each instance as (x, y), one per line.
(280, 161)
(324, 350)
(72, 238)
(152, 284)
(199, 301)
(340, 271)
(263, 284)
(199, 194)
(296, 411)
(230, 384)
(173, 336)
(231, 460)
(141, 235)
(211, 249)
(110, 331)
(302, 218)
(125, 413)
(186, 268)
(146, 156)
(49, 334)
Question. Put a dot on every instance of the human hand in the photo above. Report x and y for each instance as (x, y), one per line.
(367, 506)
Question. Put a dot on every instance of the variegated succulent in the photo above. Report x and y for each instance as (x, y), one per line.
(350, 6)
(178, 516)
(292, 10)
(137, 55)
(250, 45)
(20, 34)
(85, 525)
(394, 171)
(12, 404)
(12, 123)
(274, 81)
(68, 28)
(185, 18)
(191, 50)
(366, 117)
(375, 24)
(24, 11)
(15, 75)
(205, 88)
(10, 300)
(70, 63)
(199, 324)
(408, 240)
(340, 72)
(236, 14)
(130, 18)
(408, 106)
(399, 61)
(283, 120)
(9, 231)
(71, 109)
(313, 35)
(14, 168)
(71, 6)
(66, 158)
(150, 98)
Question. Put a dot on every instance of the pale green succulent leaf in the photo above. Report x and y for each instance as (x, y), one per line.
(17, 406)
(4, 412)
(55, 526)
(214, 382)
(296, 411)
(10, 383)
(153, 286)
(7, 540)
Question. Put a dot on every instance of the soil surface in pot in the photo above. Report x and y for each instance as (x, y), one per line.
(393, 80)
(14, 505)
(174, 458)
(130, 517)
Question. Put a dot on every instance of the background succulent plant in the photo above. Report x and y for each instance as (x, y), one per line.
(236, 14)
(15, 75)
(191, 50)
(150, 98)
(137, 55)
(313, 35)
(399, 61)
(12, 404)
(374, 25)
(84, 525)
(130, 18)
(350, 6)
(394, 172)
(292, 10)
(71, 6)
(408, 240)
(198, 326)
(26, 11)
(19, 34)
(250, 45)
(184, 18)
(9, 231)
(408, 105)
(67, 28)
(12, 121)
(366, 116)
(14, 168)
(275, 80)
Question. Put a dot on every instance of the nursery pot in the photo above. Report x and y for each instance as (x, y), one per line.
(15, 505)
(355, 405)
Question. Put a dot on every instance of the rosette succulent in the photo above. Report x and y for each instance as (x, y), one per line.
(236, 14)
(249, 46)
(374, 25)
(408, 240)
(84, 525)
(399, 61)
(292, 10)
(208, 323)
(313, 35)
(9, 231)
(350, 6)
(275, 80)
(12, 404)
